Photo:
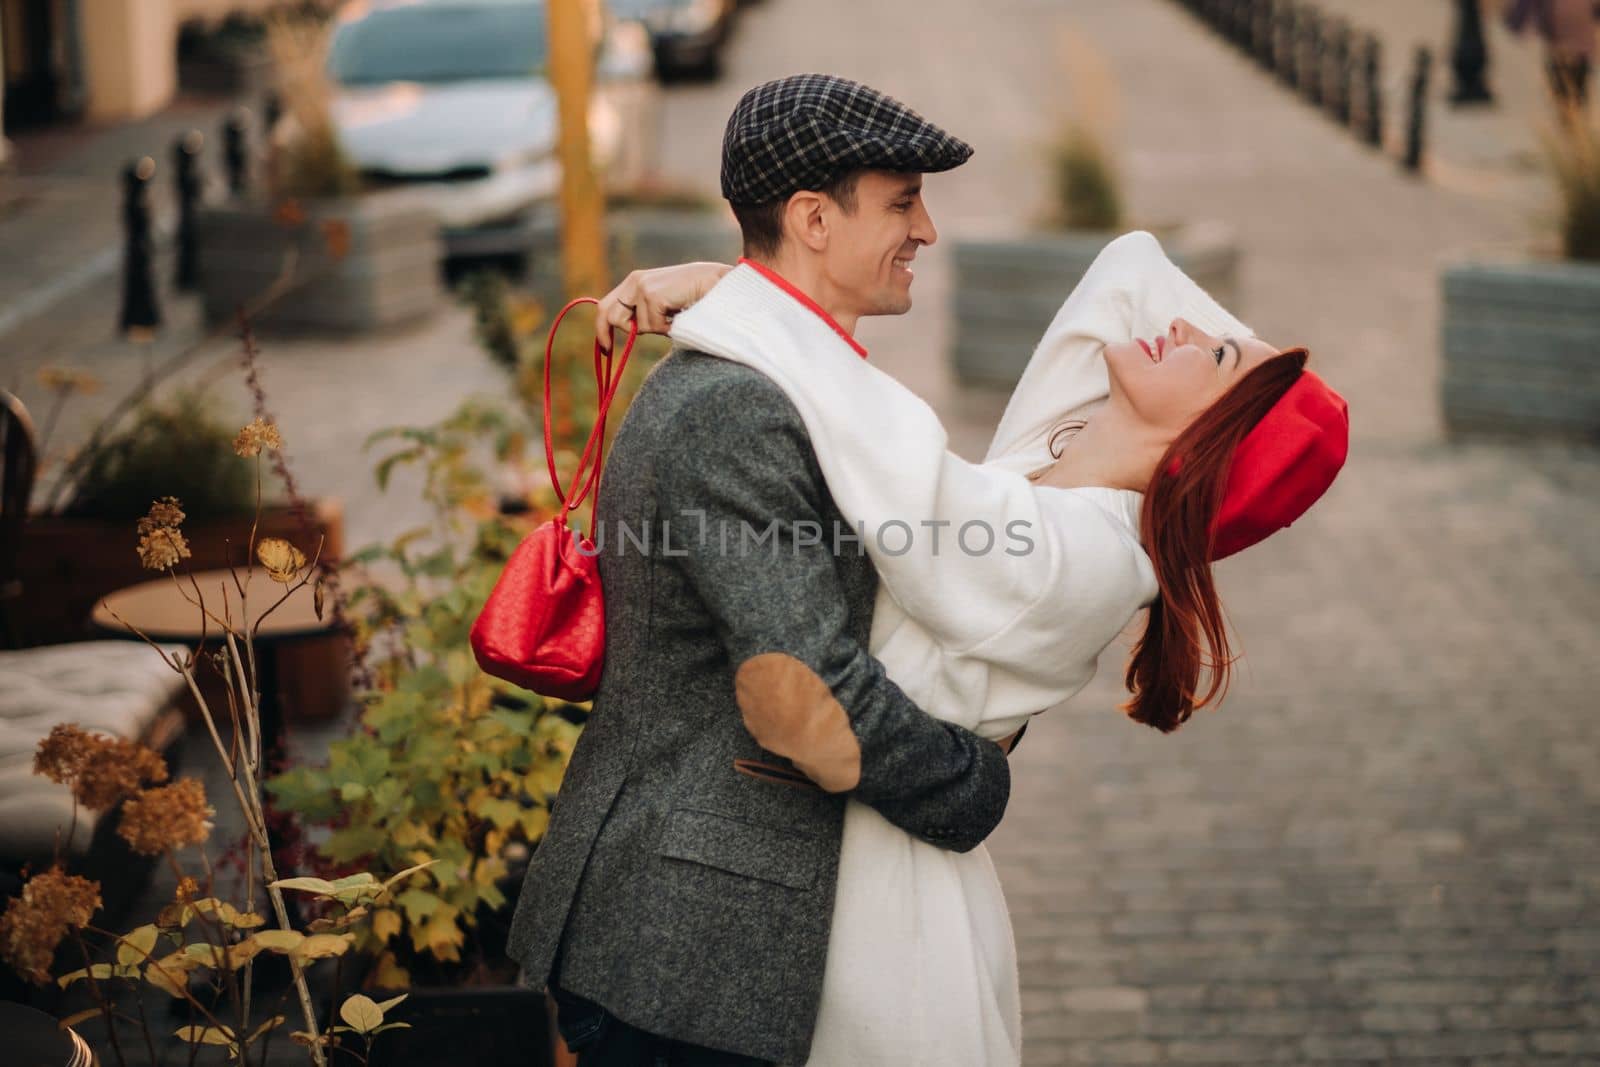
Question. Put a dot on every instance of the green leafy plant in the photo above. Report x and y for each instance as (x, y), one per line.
(449, 762)
(1087, 195)
(1084, 184)
(180, 448)
(200, 939)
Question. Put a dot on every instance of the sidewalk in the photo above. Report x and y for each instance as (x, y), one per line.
(61, 207)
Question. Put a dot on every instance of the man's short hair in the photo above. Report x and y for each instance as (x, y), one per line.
(762, 224)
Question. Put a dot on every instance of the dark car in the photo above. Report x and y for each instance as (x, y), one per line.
(687, 36)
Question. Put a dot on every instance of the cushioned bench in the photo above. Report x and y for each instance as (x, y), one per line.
(119, 688)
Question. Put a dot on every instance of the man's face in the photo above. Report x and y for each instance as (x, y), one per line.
(869, 251)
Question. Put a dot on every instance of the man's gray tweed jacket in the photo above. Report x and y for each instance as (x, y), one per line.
(687, 874)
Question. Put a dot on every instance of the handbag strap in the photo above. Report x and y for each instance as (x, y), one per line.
(607, 377)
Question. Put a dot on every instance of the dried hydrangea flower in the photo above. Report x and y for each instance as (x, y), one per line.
(171, 817)
(256, 436)
(283, 561)
(161, 543)
(51, 904)
(163, 548)
(188, 889)
(99, 770)
(164, 513)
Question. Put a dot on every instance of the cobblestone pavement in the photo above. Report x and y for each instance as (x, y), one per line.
(1380, 850)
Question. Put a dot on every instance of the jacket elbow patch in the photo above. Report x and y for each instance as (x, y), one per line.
(791, 711)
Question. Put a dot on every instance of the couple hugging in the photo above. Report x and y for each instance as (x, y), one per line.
(768, 845)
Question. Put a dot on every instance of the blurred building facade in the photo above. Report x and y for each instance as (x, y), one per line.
(99, 60)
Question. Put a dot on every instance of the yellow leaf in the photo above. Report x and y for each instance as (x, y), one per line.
(385, 924)
(227, 914)
(488, 870)
(361, 1013)
(442, 934)
(408, 872)
(338, 922)
(535, 821)
(168, 979)
(320, 946)
(390, 975)
(384, 1006)
(99, 970)
(206, 1035)
(282, 560)
(135, 946)
(278, 940)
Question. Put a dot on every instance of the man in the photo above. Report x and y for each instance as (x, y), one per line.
(678, 907)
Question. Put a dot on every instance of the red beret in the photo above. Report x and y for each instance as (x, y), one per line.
(1283, 465)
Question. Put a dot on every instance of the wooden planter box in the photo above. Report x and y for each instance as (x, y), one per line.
(1521, 343)
(68, 564)
(1007, 292)
(637, 238)
(498, 1024)
(361, 263)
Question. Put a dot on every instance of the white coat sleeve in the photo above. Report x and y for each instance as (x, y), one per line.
(1131, 290)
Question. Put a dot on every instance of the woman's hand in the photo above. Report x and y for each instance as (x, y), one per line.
(653, 297)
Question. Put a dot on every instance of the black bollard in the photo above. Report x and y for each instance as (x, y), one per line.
(1309, 68)
(1372, 79)
(1338, 80)
(1470, 57)
(1231, 12)
(236, 150)
(271, 112)
(1285, 44)
(1419, 109)
(1244, 15)
(140, 311)
(1261, 31)
(186, 160)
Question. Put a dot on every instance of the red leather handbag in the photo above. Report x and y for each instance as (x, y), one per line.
(544, 625)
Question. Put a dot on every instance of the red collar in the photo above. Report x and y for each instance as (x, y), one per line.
(805, 301)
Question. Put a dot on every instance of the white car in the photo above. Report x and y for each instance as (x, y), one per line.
(450, 99)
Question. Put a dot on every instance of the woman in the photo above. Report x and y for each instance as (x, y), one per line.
(1164, 395)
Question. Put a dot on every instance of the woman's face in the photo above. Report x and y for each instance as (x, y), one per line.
(1167, 381)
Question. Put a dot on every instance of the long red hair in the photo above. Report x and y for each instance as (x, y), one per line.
(1185, 632)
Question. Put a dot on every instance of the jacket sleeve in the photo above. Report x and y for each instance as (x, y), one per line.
(744, 502)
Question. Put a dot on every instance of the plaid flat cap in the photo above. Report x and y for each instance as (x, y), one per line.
(803, 131)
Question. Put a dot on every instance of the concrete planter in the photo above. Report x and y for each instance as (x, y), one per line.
(637, 238)
(1521, 344)
(361, 263)
(1006, 292)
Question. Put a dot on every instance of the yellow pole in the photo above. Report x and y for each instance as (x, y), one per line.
(583, 248)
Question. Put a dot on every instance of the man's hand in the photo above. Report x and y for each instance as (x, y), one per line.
(653, 297)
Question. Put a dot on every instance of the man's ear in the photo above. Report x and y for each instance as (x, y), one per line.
(805, 221)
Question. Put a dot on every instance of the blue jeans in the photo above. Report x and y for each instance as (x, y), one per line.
(602, 1040)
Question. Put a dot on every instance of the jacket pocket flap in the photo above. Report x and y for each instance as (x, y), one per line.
(729, 844)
